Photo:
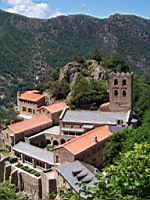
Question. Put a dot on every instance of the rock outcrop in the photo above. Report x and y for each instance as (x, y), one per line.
(90, 69)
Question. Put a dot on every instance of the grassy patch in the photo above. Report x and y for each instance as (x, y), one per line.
(27, 169)
(5, 153)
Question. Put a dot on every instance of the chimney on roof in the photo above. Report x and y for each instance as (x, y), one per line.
(95, 139)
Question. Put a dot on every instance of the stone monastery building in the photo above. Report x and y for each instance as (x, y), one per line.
(54, 146)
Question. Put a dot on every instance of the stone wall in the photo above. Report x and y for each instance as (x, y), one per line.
(2, 168)
(8, 139)
(55, 117)
(30, 184)
(27, 105)
(61, 182)
(7, 172)
(35, 187)
(1, 142)
(24, 181)
(48, 179)
(93, 155)
(61, 155)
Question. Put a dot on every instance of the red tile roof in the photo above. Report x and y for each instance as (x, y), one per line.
(56, 107)
(87, 140)
(31, 96)
(37, 121)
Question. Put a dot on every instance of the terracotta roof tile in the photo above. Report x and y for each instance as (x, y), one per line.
(37, 121)
(31, 96)
(87, 140)
(56, 107)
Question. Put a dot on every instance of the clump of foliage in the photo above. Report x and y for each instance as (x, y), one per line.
(67, 195)
(12, 160)
(141, 94)
(8, 192)
(96, 55)
(79, 59)
(59, 89)
(117, 64)
(7, 116)
(51, 196)
(49, 147)
(87, 94)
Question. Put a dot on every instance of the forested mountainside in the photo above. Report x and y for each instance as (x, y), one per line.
(31, 48)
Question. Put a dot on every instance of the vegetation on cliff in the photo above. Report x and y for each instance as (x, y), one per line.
(88, 94)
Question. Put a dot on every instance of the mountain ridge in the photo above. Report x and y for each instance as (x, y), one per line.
(31, 48)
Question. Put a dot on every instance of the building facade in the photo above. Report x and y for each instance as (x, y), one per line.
(18, 131)
(53, 110)
(78, 122)
(29, 102)
(120, 92)
(87, 147)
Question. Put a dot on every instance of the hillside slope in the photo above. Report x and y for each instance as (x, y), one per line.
(30, 48)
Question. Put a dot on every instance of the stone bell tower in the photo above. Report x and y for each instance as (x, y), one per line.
(120, 91)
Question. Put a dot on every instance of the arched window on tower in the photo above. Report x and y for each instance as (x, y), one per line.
(124, 82)
(124, 93)
(115, 92)
(116, 82)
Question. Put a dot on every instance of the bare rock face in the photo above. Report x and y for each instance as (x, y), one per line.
(98, 71)
(69, 72)
(90, 69)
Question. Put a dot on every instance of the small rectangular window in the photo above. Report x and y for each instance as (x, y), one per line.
(57, 159)
(94, 151)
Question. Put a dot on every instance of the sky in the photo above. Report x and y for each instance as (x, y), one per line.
(98, 8)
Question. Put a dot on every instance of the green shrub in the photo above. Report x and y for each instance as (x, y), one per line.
(12, 160)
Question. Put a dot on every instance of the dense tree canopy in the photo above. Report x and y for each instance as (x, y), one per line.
(87, 94)
(141, 94)
(96, 55)
(67, 195)
(7, 116)
(117, 64)
(7, 192)
(124, 141)
(128, 179)
(59, 89)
